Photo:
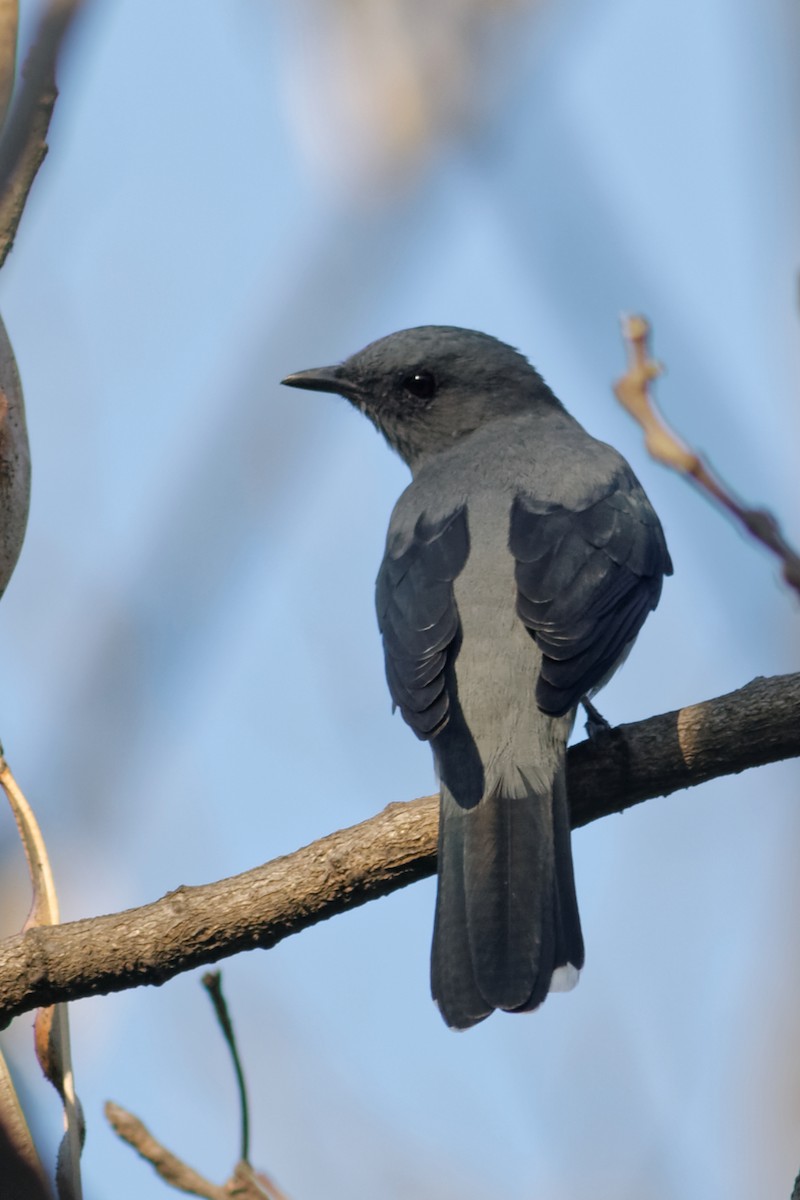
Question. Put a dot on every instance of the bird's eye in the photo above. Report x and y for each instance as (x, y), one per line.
(420, 384)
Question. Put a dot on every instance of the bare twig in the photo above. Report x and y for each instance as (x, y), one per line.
(172, 1169)
(196, 925)
(249, 1184)
(633, 392)
(23, 145)
(212, 982)
(246, 1183)
(51, 1027)
(9, 25)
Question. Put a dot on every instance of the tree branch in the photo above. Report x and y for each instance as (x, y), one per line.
(173, 1170)
(9, 28)
(633, 392)
(191, 926)
(24, 143)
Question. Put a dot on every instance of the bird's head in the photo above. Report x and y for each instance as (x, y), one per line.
(428, 387)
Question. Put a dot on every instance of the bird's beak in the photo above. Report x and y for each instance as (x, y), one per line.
(324, 379)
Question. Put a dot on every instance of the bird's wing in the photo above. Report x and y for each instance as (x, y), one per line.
(418, 617)
(586, 579)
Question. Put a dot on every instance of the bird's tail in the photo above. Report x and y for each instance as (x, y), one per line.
(507, 929)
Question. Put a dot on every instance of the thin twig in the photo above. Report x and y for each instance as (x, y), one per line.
(51, 1027)
(23, 145)
(249, 1184)
(9, 27)
(633, 392)
(172, 1169)
(212, 982)
(246, 1183)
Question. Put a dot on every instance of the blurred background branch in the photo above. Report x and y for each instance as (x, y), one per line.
(376, 90)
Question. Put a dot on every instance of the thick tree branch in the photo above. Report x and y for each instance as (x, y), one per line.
(191, 926)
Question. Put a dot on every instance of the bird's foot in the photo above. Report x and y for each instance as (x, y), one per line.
(595, 721)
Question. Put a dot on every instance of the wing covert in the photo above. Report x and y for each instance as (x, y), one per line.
(418, 618)
(586, 581)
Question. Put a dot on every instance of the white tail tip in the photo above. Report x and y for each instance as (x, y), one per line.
(564, 978)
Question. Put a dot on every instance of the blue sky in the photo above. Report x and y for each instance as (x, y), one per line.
(193, 675)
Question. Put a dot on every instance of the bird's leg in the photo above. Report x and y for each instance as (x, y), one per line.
(595, 721)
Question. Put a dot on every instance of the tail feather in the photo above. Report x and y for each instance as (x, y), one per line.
(570, 937)
(453, 982)
(508, 875)
(506, 913)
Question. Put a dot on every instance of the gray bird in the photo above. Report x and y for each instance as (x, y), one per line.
(520, 564)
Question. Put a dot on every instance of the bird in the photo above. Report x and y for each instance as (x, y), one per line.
(520, 564)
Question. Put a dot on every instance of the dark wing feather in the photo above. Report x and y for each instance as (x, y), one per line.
(586, 580)
(418, 618)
